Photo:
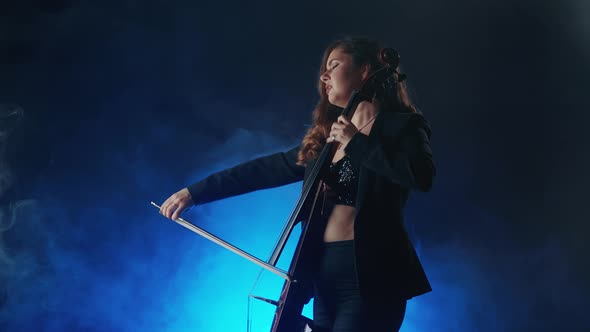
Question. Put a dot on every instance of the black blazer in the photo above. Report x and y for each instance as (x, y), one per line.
(394, 159)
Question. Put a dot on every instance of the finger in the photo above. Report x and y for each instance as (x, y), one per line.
(337, 126)
(170, 209)
(331, 138)
(343, 119)
(164, 206)
(177, 212)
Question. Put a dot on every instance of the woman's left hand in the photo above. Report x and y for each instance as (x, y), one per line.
(342, 131)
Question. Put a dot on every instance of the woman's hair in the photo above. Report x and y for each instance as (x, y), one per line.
(363, 51)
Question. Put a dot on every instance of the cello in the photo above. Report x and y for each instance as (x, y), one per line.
(296, 292)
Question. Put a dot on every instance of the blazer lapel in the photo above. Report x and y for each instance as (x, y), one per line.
(388, 126)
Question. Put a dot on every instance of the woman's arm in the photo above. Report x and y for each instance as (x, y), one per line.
(261, 173)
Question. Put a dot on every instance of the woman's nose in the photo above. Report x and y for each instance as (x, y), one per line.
(324, 77)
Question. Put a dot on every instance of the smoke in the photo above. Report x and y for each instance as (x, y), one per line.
(509, 289)
(136, 101)
(92, 254)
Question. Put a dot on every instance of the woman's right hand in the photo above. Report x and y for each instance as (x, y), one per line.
(176, 204)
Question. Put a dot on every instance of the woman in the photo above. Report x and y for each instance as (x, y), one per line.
(383, 153)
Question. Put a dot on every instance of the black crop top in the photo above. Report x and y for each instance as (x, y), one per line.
(342, 179)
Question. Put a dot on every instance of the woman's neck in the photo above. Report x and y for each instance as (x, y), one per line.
(365, 112)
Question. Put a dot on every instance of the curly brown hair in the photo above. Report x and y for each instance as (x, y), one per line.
(363, 51)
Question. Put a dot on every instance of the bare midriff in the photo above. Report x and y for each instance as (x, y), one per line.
(340, 226)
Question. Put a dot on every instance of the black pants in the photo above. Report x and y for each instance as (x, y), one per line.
(338, 306)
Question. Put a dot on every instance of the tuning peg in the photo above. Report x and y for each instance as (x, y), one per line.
(389, 56)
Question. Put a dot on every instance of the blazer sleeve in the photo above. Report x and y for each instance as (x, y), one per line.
(406, 161)
(261, 173)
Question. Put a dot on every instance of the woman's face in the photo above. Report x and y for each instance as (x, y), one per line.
(341, 77)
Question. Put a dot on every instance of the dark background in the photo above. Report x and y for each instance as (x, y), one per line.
(129, 101)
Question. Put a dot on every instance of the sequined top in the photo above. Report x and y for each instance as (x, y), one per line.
(342, 178)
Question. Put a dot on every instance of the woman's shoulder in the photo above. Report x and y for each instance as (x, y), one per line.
(395, 123)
